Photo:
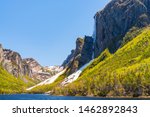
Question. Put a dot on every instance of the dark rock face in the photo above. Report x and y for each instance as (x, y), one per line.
(81, 55)
(69, 58)
(87, 51)
(115, 20)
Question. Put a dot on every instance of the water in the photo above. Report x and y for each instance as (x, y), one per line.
(49, 97)
(42, 97)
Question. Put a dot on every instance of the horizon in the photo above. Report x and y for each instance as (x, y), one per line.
(46, 30)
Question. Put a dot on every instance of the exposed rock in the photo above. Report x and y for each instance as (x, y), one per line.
(1, 53)
(74, 64)
(39, 72)
(87, 51)
(14, 64)
(53, 69)
(116, 19)
(81, 55)
(34, 65)
(69, 58)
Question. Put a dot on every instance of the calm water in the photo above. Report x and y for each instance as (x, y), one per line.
(49, 97)
(42, 97)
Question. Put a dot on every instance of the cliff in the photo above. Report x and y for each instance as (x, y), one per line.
(81, 55)
(13, 63)
(39, 72)
(116, 19)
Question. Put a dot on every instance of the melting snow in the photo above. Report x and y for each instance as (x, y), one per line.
(75, 75)
(49, 80)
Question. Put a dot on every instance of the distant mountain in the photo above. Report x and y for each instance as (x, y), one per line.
(27, 71)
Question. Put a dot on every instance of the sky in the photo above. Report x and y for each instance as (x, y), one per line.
(46, 30)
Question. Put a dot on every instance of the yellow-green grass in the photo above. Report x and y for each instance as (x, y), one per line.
(12, 85)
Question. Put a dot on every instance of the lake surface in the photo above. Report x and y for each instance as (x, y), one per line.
(49, 97)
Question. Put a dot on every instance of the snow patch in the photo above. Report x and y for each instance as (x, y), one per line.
(49, 80)
(75, 75)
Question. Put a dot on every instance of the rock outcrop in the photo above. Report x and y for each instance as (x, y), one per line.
(14, 64)
(87, 51)
(116, 19)
(39, 72)
(81, 55)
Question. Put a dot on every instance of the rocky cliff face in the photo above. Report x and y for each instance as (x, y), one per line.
(39, 72)
(81, 55)
(14, 64)
(34, 65)
(115, 20)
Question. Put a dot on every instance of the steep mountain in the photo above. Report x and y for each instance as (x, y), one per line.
(17, 74)
(80, 56)
(116, 19)
(39, 72)
(13, 63)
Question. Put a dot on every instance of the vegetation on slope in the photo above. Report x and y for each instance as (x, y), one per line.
(11, 85)
(131, 34)
(125, 73)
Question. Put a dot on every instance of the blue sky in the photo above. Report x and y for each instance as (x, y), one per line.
(46, 29)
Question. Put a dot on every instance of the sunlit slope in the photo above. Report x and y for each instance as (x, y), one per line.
(10, 85)
(124, 73)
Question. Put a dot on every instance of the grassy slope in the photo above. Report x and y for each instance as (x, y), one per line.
(125, 73)
(10, 85)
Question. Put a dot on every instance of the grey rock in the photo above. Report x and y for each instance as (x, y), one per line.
(116, 19)
(81, 55)
(87, 51)
(39, 72)
(13, 63)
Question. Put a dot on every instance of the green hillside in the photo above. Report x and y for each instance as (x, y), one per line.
(10, 85)
(124, 73)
